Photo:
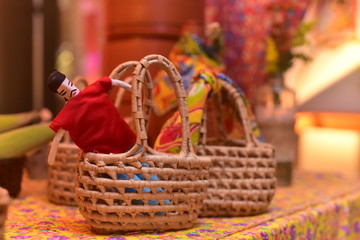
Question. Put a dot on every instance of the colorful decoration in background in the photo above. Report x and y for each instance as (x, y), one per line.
(244, 55)
(190, 56)
(245, 38)
(283, 39)
(335, 21)
(233, 126)
(200, 65)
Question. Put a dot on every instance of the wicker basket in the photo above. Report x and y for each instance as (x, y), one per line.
(4, 203)
(176, 183)
(242, 177)
(61, 183)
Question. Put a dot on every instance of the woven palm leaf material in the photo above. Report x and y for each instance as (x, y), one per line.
(108, 204)
(242, 176)
(4, 203)
(61, 183)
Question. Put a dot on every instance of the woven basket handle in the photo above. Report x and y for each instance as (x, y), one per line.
(54, 145)
(121, 92)
(242, 113)
(137, 105)
(78, 81)
(123, 68)
(119, 72)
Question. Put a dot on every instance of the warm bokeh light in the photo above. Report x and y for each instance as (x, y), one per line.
(350, 121)
(326, 68)
(330, 150)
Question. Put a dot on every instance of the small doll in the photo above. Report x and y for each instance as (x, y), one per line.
(90, 117)
(94, 123)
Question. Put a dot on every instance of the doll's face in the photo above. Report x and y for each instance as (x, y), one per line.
(67, 89)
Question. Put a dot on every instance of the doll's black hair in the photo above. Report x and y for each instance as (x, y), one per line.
(54, 80)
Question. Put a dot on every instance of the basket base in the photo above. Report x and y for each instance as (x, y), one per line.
(103, 231)
(150, 226)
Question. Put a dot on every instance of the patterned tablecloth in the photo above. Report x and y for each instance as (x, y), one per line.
(316, 206)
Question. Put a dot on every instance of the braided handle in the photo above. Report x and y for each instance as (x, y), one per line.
(117, 73)
(121, 92)
(123, 68)
(241, 110)
(80, 82)
(139, 113)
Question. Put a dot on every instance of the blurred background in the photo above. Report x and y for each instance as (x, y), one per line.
(297, 61)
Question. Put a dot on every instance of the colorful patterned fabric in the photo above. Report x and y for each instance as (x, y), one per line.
(334, 220)
(191, 56)
(244, 53)
(246, 25)
(316, 206)
(200, 67)
(232, 125)
(170, 137)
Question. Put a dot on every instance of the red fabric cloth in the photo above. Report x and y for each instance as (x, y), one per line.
(93, 122)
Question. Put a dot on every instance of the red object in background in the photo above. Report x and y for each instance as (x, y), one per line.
(92, 32)
(134, 29)
(93, 121)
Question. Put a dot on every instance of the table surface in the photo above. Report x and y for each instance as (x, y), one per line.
(316, 206)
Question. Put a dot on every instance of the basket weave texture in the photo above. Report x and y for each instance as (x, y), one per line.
(172, 188)
(4, 203)
(61, 180)
(242, 177)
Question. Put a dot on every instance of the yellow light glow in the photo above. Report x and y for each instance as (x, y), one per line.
(357, 26)
(330, 150)
(329, 66)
